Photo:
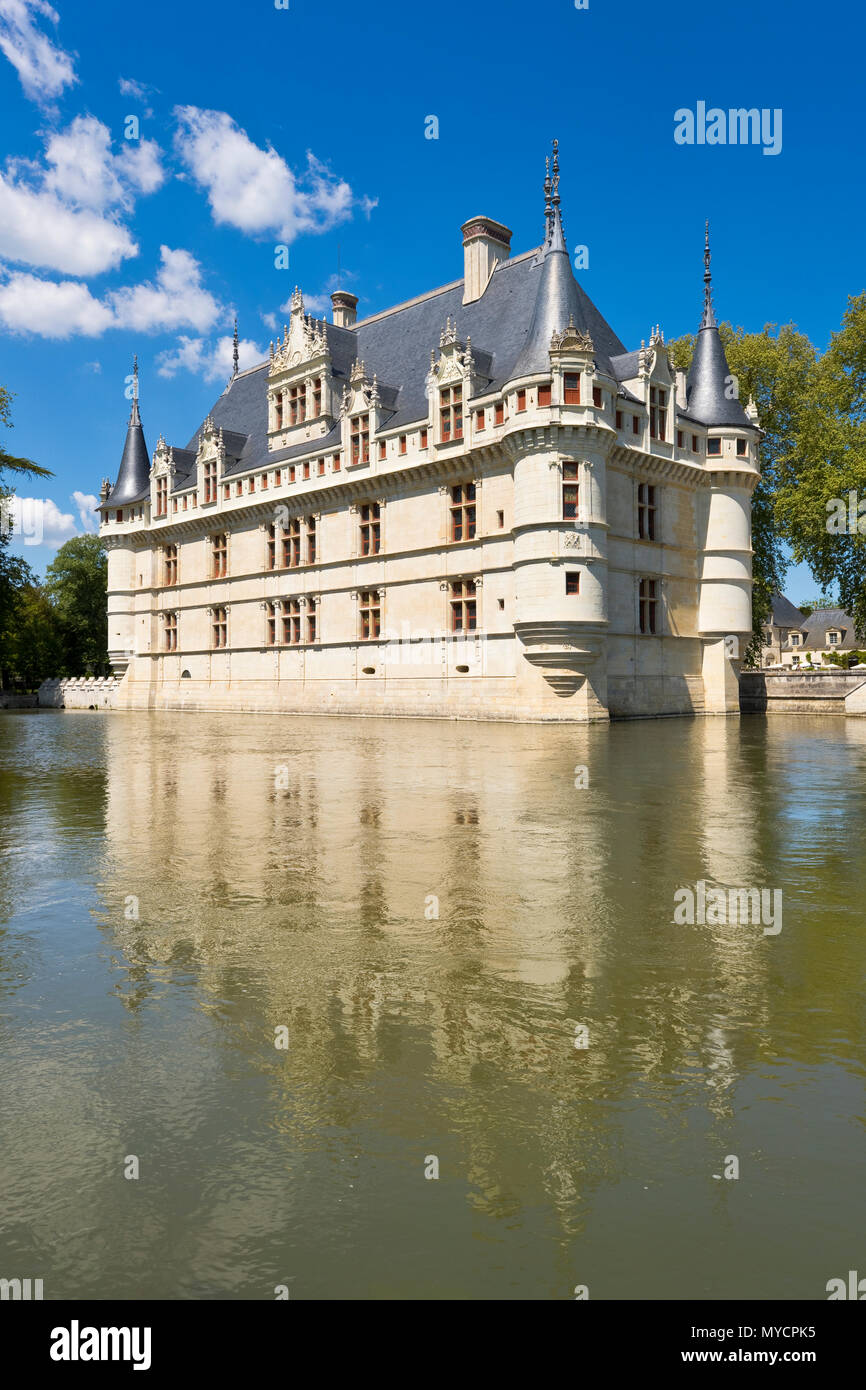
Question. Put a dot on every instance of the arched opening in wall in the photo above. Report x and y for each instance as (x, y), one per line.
(185, 676)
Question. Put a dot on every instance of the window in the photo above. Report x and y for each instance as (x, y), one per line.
(271, 547)
(161, 497)
(292, 621)
(219, 627)
(263, 482)
(336, 463)
(307, 469)
(741, 448)
(311, 621)
(571, 383)
(370, 528)
(278, 411)
(360, 435)
(569, 491)
(278, 477)
(479, 420)
(184, 501)
(679, 439)
(297, 405)
(118, 516)
(383, 448)
(596, 396)
(422, 441)
(311, 540)
(402, 443)
(572, 581)
(251, 485)
(463, 512)
(219, 556)
(293, 473)
(658, 412)
(451, 412)
(499, 414)
(174, 504)
(227, 491)
(317, 396)
(714, 446)
(544, 395)
(292, 544)
(370, 611)
(321, 467)
(271, 624)
(694, 443)
(500, 519)
(210, 481)
(795, 639)
(169, 632)
(647, 605)
(634, 424)
(239, 488)
(463, 612)
(521, 400)
(833, 638)
(619, 419)
(170, 564)
(646, 512)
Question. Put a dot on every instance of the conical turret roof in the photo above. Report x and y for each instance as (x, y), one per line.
(133, 478)
(709, 387)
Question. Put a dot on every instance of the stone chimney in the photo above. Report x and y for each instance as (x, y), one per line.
(485, 244)
(345, 308)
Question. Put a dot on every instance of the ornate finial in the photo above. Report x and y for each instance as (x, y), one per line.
(135, 377)
(709, 318)
(547, 189)
(235, 353)
(556, 173)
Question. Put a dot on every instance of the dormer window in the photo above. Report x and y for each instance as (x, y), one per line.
(360, 435)
(210, 481)
(451, 412)
(161, 497)
(297, 405)
(795, 639)
(317, 396)
(658, 412)
(833, 638)
(571, 388)
(278, 412)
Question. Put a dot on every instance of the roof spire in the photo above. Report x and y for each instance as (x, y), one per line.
(134, 417)
(235, 354)
(548, 210)
(709, 318)
(555, 234)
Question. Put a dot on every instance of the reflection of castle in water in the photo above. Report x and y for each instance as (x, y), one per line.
(288, 867)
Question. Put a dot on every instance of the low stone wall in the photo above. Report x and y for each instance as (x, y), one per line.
(10, 701)
(803, 692)
(78, 692)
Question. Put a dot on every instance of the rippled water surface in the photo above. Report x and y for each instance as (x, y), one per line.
(287, 872)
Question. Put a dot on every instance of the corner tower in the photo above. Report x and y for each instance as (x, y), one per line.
(117, 517)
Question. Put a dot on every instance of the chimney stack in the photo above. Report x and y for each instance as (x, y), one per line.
(345, 308)
(485, 244)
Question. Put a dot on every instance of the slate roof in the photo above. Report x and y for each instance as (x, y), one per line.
(133, 477)
(784, 614)
(527, 298)
(819, 623)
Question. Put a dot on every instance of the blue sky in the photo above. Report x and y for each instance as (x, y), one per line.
(306, 126)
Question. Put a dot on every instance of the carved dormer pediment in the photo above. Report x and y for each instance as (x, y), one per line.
(456, 363)
(361, 393)
(302, 398)
(654, 361)
(572, 340)
(163, 459)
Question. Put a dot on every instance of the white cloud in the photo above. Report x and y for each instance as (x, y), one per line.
(95, 367)
(39, 521)
(270, 321)
(252, 188)
(177, 299)
(139, 91)
(43, 68)
(213, 362)
(51, 309)
(64, 215)
(86, 502)
(39, 230)
(83, 170)
(66, 308)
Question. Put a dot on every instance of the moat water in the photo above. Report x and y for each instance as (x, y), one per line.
(434, 914)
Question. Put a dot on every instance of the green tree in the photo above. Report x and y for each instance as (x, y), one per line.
(779, 368)
(8, 462)
(34, 649)
(76, 583)
(16, 575)
(829, 463)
